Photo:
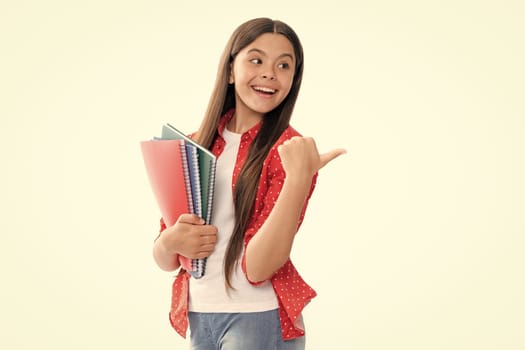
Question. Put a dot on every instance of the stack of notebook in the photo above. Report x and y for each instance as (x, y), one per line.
(182, 175)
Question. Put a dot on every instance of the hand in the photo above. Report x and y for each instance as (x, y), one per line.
(189, 237)
(300, 157)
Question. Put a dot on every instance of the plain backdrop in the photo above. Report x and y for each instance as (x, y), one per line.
(413, 240)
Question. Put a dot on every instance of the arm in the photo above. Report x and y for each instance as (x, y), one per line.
(188, 237)
(270, 248)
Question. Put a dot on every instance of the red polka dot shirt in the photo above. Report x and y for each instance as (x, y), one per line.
(292, 292)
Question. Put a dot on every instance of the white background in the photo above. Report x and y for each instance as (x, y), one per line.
(413, 240)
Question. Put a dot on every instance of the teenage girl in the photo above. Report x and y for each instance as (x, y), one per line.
(251, 296)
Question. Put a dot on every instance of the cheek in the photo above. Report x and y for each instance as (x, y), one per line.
(242, 73)
(287, 83)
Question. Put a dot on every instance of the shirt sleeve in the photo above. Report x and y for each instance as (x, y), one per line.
(162, 228)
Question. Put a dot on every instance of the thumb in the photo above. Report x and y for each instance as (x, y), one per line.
(191, 219)
(329, 156)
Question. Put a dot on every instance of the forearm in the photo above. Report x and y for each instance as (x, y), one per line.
(270, 248)
(165, 260)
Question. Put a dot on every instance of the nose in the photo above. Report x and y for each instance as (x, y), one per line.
(268, 74)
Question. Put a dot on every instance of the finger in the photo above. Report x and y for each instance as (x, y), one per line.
(202, 255)
(329, 156)
(206, 247)
(191, 219)
(207, 230)
(209, 239)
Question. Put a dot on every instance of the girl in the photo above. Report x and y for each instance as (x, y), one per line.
(251, 296)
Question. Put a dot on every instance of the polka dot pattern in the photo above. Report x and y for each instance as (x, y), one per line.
(293, 293)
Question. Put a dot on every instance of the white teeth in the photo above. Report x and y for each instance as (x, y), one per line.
(264, 89)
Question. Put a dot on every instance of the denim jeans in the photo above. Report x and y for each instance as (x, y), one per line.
(239, 331)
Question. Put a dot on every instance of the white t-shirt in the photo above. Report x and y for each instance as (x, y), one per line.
(209, 293)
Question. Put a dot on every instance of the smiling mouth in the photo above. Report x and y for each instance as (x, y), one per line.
(264, 90)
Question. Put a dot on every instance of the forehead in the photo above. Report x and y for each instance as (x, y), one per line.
(271, 44)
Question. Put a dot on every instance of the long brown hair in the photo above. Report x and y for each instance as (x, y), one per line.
(273, 124)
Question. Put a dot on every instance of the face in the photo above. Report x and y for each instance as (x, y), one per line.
(263, 74)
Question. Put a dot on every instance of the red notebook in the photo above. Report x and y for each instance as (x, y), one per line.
(166, 166)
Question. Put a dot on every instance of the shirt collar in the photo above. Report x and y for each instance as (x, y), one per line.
(249, 134)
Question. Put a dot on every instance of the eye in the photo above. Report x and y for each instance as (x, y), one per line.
(256, 61)
(284, 65)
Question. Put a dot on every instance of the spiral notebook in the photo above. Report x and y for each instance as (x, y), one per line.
(182, 175)
(207, 163)
(165, 166)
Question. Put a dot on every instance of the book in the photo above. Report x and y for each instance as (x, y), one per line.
(182, 175)
(194, 176)
(165, 169)
(207, 165)
(202, 182)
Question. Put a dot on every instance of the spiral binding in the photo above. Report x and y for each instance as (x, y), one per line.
(199, 265)
(186, 173)
(212, 188)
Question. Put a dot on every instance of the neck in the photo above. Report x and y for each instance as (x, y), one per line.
(242, 122)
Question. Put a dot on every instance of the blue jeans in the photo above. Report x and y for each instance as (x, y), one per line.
(239, 331)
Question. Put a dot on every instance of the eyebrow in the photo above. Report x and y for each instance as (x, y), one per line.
(286, 54)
